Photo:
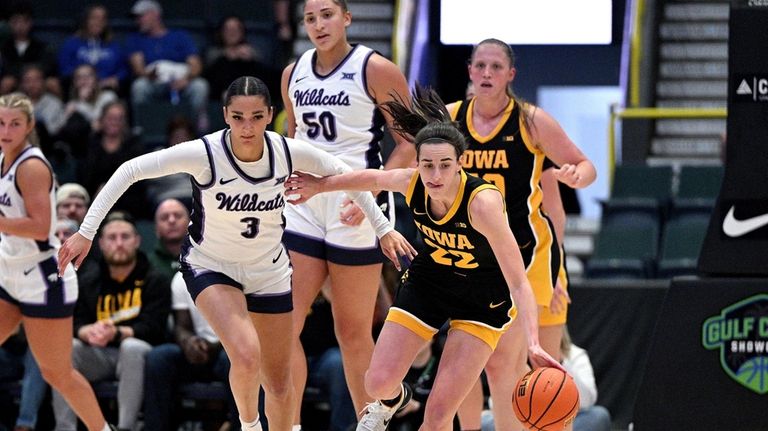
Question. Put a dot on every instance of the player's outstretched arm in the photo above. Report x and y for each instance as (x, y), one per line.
(300, 186)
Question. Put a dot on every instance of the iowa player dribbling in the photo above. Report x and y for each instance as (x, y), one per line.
(465, 274)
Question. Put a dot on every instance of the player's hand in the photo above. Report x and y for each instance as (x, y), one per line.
(300, 187)
(567, 175)
(560, 297)
(394, 246)
(351, 214)
(540, 358)
(74, 249)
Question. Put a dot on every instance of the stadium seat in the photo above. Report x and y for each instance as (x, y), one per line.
(681, 243)
(698, 190)
(639, 189)
(625, 250)
(151, 120)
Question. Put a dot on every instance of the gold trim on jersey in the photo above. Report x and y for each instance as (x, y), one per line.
(454, 206)
(481, 188)
(455, 111)
(471, 125)
(524, 131)
(483, 331)
(411, 322)
(411, 187)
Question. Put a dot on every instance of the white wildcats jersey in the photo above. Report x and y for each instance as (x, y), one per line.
(12, 206)
(335, 112)
(243, 214)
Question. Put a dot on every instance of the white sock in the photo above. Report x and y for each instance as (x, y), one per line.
(250, 426)
(296, 427)
(106, 427)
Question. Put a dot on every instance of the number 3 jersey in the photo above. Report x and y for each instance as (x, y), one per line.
(336, 112)
(452, 247)
(237, 216)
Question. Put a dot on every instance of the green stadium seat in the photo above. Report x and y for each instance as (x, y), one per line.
(681, 243)
(624, 250)
(698, 189)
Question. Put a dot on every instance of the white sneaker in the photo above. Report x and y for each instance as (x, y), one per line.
(377, 415)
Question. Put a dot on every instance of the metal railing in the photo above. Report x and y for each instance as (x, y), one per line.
(653, 114)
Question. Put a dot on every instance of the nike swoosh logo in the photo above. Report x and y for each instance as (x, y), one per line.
(492, 305)
(418, 213)
(736, 228)
(27, 271)
(224, 182)
(300, 79)
(278, 256)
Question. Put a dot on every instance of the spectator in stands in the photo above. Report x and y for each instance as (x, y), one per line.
(121, 313)
(86, 102)
(233, 56)
(108, 148)
(22, 49)
(195, 355)
(285, 24)
(165, 63)
(65, 228)
(93, 44)
(49, 109)
(591, 417)
(171, 221)
(177, 186)
(16, 361)
(324, 366)
(72, 201)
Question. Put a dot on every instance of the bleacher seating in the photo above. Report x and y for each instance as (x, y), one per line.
(624, 249)
(681, 241)
(697, 190)
(639, 191)
(649, 227)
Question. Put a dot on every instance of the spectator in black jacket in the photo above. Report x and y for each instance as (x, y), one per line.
(121, 313)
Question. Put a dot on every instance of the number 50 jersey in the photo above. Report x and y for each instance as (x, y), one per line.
(335, 112)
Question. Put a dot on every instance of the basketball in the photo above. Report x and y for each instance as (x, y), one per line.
(546, 399)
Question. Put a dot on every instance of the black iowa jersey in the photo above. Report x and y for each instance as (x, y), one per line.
(505, 158)
(450, 242)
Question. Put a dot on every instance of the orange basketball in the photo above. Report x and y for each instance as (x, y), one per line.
(546, 399)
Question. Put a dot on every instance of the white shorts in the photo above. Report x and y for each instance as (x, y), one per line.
(266, 283)
(314, 229)
(35, 287)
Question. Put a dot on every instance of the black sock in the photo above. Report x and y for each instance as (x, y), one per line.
(394, 401)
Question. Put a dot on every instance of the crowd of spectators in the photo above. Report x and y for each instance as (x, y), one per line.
(88, 87)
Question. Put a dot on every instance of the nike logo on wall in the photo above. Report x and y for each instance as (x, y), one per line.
(223, 181)
(278, 256)
(736, 228)
(492, 305)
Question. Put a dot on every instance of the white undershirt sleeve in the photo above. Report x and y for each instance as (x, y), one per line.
(188, 157)
(309, 159)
